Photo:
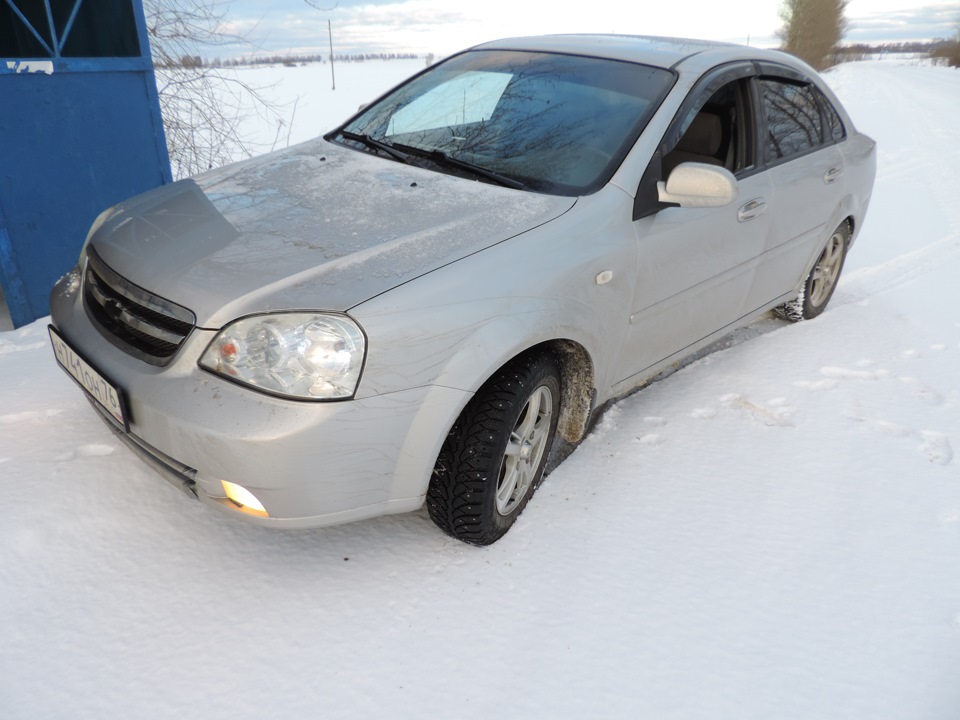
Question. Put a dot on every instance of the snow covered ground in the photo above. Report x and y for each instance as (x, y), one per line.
(771, 533)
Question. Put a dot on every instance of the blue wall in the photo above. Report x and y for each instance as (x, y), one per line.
(72, 142)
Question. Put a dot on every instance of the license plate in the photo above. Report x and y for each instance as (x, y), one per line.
(106, 394)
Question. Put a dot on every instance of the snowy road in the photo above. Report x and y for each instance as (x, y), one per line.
(771, 533)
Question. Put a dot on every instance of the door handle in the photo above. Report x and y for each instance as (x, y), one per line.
(832, 175)
(751, 210)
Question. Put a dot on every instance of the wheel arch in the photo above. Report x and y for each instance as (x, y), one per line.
(577, 383)
(843, 214)
(440, 415)
(852, 227)
(577, 387)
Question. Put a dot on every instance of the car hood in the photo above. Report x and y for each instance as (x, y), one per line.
(317, 226)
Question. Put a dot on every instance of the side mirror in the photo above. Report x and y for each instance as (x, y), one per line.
(697, 185)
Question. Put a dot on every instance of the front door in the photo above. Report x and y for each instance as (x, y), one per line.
(697, 266)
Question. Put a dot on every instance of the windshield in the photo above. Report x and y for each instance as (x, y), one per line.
(559, 124)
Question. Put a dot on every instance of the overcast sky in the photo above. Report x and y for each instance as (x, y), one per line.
(444, 26)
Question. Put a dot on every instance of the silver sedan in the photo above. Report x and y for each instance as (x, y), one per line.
(410, 309)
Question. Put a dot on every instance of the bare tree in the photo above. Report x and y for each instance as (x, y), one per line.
(813, 29)
(202, 106)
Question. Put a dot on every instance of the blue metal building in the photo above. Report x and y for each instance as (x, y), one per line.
(80, 129)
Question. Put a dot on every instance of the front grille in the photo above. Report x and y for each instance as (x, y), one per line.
(135, 320)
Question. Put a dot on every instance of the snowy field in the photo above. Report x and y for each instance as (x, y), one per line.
(772, 533)
(299, 101)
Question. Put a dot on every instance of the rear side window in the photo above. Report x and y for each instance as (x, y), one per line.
(834, 125)
(794, 125)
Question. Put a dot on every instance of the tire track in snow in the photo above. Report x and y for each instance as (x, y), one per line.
(901, 270)
(924, 101)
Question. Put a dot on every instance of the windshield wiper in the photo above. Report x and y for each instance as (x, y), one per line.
(441, 158)
(438, 156)
(378, 145)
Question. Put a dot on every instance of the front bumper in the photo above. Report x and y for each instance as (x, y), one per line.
(309, 463)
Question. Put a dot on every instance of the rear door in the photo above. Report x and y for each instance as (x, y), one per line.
(806, 170)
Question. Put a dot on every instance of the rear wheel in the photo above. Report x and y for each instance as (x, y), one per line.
(493, 457)
(822, 280)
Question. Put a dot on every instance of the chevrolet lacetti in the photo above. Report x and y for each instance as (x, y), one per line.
(411, 308)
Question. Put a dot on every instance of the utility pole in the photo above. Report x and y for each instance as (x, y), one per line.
(332, 76)
(313, 4)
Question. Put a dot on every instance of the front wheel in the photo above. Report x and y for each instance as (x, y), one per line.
(493, 457)
(822, 280)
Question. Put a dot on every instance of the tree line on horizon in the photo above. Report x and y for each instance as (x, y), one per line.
(847, 52)
(198, 61)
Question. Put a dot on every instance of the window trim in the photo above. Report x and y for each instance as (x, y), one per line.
(646, 201)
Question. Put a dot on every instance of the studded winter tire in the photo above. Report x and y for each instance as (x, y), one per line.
(493, 457)
(822, 280)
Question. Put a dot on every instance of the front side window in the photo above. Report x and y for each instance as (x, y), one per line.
(555, 123)
(718, 132)
(793, 119)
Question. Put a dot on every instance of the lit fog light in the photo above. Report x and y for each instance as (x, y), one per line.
(243, 497)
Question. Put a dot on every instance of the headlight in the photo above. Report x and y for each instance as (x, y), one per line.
(308, 356)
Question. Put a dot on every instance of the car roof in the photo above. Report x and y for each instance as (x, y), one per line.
(662, 52)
